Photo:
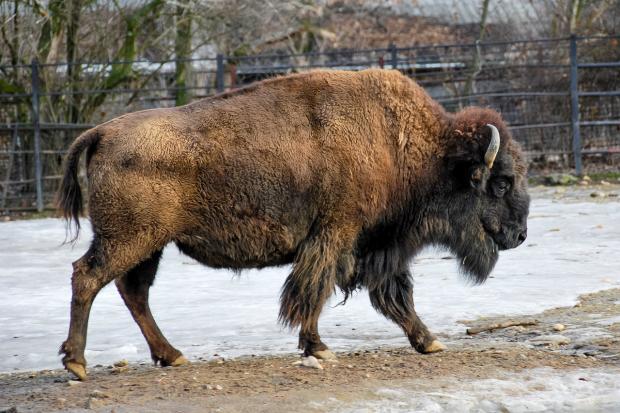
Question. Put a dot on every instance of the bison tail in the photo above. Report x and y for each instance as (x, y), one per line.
(69, 199)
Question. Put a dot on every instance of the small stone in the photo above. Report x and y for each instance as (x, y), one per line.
(612, 195)
(559, 327)
(218, 387)
(605, 183)
(118, 370)
(99, 394)
(94, 403)
(10, 410)
(597, 194)
(311, 362)
(121, 363)
(73, 383)
(207, 387)
(577, 305)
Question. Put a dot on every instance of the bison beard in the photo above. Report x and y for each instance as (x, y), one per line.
(344, 175)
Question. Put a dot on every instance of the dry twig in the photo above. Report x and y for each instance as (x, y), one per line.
(495, 326)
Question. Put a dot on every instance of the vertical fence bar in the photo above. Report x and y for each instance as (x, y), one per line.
(574, 103)
(219, 74)
(393, 56)
(37, 134)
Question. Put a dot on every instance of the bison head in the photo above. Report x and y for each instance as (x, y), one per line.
(488, 203)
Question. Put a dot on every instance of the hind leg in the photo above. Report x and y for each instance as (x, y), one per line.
(104, 261)
(392, 296)
(134, 289)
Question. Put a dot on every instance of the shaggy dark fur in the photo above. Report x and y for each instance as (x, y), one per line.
(345, 175)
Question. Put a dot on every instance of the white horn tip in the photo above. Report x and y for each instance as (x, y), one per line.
(493, 148)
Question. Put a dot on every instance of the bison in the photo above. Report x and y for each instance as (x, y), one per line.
(344, 175)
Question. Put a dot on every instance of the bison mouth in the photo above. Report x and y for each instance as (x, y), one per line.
(496, 243)
(506, 238)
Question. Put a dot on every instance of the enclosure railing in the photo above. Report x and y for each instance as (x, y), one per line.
(561, 98)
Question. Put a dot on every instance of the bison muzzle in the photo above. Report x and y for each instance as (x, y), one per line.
(344, 175)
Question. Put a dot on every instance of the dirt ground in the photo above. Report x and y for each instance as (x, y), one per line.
(590, 339)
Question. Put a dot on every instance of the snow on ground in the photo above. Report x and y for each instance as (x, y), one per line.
(572, 248)
(538, 390)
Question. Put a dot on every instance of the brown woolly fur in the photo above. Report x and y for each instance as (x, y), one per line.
(345, 175)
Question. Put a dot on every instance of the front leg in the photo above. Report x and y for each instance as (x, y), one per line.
(321, 263)
(392, 296)
(310, 342)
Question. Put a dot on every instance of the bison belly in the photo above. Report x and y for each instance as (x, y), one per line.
(251, 213)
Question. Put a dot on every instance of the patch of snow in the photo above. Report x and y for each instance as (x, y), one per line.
(571, 249)
(536, 390)
(609, 321)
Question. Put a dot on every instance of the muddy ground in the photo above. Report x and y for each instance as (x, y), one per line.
(590, 340)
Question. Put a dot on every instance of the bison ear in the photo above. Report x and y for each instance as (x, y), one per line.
(478, 175)
(466, 162)
(467, 171)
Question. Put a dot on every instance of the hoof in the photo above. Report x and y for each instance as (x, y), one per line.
(434, 347)
(179, 361)
(78, 369)
(324, 355)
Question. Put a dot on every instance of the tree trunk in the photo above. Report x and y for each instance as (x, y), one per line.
(182, 48)
(476, 64)
(74, 8)
(575, 11)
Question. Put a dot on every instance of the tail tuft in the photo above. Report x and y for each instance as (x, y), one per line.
(69, 198)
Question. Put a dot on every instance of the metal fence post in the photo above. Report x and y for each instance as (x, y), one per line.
(219, 74)
(393, 56)
(37, 134)
(574, 103)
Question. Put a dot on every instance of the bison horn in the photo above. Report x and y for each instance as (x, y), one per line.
(493, 148)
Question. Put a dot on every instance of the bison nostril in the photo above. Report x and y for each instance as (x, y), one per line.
(522, 236)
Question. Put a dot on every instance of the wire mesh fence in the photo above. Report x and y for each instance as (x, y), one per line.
(562, 107)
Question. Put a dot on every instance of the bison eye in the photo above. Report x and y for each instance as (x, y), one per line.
(500, 187)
